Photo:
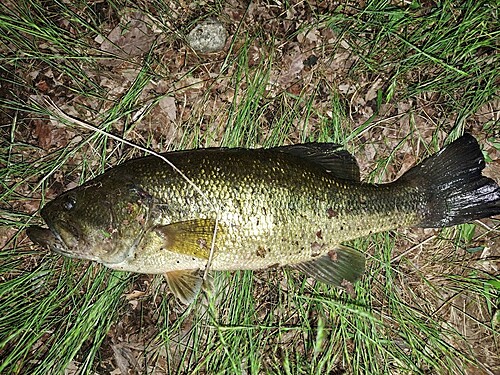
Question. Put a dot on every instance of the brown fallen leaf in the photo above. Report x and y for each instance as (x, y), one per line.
(132, 37)
(167, 105)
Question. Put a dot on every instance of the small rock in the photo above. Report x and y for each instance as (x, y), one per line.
(208, 36)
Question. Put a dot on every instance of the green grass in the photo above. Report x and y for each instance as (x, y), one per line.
(428, 300)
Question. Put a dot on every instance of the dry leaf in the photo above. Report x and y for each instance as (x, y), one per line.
(167, 105)
(295, 63)
(129, 39)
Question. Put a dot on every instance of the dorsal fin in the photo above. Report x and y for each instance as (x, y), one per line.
(331, 156)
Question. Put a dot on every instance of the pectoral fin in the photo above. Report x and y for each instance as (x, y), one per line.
(339, 267)
(185, 285)
(191, 237)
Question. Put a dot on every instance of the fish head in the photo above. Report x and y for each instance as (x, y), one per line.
(101, 221)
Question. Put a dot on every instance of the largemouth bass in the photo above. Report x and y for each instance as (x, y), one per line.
(291, 205)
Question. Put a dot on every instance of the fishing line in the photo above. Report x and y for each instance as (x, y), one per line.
(73, 120)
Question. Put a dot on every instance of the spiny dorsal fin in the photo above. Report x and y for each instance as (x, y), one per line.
(190, 237)
(185, 284)
(330, 156)
(339, 266)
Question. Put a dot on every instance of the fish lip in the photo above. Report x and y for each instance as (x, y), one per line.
(48, 238)
(45, 237)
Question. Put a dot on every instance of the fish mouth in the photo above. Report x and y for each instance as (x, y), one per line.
(46, 238)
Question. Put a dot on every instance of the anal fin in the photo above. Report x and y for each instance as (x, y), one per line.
(339, 267)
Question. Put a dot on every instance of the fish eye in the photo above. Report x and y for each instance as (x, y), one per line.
(69, 203)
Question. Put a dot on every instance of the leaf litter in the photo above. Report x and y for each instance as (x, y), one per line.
(192, 97)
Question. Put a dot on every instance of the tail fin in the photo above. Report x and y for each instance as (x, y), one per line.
(456, 191)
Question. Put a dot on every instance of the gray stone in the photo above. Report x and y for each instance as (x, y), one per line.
(208, 36)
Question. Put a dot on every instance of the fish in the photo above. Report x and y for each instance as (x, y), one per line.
(249, 209)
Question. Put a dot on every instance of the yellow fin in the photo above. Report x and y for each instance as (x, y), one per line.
(191, 237)
(341, 266)
(185, 285)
